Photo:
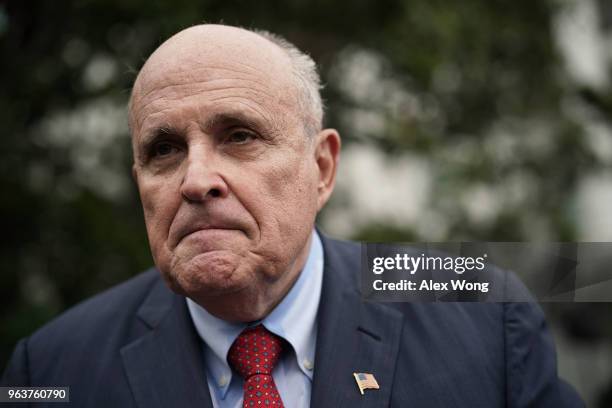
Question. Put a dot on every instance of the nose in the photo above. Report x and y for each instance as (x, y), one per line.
(201, 180)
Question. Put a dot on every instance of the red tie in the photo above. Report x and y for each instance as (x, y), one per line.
(254, 355)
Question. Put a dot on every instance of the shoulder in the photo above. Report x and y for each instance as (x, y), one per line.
(110, 307)
(343, 260)
(504, 349)
(87, 337)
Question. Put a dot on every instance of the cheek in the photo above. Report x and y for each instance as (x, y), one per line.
(291, 191)
(158, 199)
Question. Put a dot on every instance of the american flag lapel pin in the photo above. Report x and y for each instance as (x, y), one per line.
(365, 381)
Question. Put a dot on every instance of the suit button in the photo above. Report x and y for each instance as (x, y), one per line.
(223, 381)
(307, 364)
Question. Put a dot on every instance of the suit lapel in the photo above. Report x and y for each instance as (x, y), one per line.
(165, 366)
(353, 336)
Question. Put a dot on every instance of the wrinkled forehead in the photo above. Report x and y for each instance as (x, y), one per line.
(205, 54)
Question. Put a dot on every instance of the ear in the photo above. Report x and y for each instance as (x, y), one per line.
(327, 155)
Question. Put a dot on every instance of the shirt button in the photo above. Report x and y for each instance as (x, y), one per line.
(307, 364)
(223, 381)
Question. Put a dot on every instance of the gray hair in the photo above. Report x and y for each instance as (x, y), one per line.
(308, 82)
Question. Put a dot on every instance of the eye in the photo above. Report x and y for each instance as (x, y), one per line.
(163, 149)
(240, 136)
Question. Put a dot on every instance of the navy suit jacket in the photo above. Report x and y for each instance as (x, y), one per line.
(135, 346)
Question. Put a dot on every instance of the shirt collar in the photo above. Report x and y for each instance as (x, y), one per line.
(294, 319)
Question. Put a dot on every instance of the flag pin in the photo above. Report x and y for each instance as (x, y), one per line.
(365, 381)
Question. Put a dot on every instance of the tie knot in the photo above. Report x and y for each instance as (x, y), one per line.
(255, 351)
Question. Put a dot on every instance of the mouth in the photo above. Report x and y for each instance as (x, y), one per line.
(205, 232)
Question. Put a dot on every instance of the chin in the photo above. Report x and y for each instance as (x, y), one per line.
(215, 273)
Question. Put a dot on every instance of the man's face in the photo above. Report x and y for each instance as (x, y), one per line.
(229, 182)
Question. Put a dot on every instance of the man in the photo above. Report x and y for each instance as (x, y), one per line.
(232, 165)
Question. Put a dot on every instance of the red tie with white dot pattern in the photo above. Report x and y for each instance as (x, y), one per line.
(253, 355)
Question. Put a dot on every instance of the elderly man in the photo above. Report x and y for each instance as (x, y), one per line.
(232, 166)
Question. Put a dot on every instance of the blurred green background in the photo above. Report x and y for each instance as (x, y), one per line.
(472, 120)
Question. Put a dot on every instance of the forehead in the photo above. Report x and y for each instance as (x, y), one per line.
(241, 71)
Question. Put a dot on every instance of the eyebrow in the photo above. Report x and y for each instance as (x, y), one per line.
(155, 133)
(217, 121)
(232, 119)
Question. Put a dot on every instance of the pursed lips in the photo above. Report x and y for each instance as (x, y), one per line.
(191, 229)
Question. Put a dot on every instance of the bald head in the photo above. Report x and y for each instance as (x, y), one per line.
(206, 52)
